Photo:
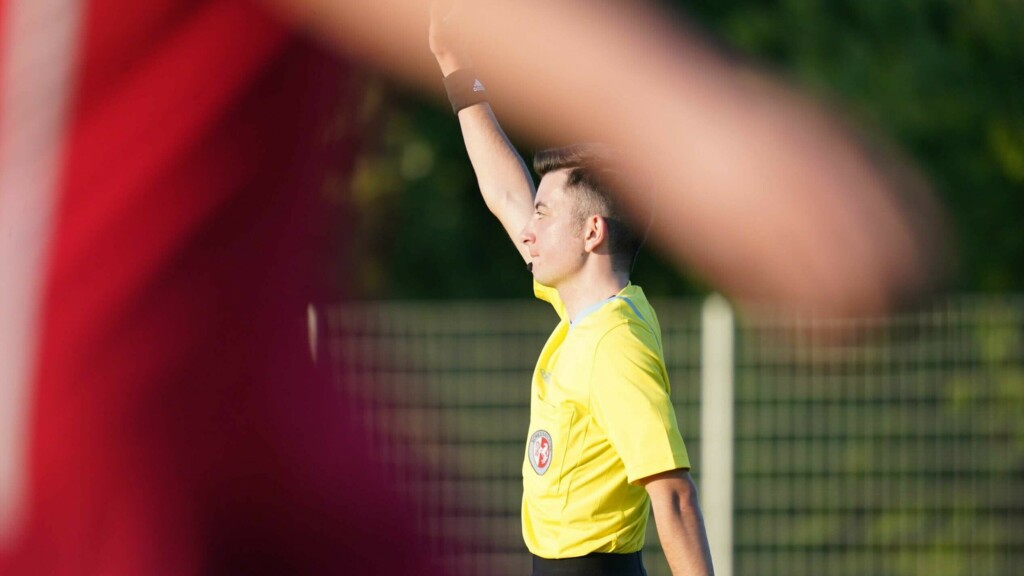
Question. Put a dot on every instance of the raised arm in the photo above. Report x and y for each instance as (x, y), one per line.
(767, 195)
(504, 179)
(680, 523)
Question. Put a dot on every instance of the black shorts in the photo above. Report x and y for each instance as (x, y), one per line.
(594, 564)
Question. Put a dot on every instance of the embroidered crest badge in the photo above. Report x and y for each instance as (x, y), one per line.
(540, 451)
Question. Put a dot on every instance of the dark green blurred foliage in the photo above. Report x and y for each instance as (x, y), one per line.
(944, 80)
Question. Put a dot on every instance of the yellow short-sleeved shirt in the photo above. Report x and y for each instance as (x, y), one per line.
(600, 419)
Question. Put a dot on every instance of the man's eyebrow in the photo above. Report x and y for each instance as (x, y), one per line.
(540, 205)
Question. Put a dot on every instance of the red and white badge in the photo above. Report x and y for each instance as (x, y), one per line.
(540, 451)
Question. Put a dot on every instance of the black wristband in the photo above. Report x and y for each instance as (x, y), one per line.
(464, 89)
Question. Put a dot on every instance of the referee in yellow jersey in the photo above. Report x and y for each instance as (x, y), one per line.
(603, 442)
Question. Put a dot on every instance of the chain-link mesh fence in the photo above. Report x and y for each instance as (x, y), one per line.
(899, 450)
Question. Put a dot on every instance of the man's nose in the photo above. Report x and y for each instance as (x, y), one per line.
(527, 236)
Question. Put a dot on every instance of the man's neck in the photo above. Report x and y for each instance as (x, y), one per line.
(585, 290)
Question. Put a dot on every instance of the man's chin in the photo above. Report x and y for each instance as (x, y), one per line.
(543, 280)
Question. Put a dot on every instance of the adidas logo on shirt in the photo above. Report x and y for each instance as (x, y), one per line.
(478, 86)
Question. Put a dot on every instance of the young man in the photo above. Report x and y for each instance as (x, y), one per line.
(603, 441)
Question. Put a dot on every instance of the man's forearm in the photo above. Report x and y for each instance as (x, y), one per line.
(505, 182)
(504, 179)
(685, 545)
(682, 534)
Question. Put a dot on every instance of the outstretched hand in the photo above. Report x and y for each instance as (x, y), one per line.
(445, 37)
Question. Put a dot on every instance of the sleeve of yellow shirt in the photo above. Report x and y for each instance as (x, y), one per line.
(630, 401)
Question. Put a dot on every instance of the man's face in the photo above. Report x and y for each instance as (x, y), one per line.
(554, 239)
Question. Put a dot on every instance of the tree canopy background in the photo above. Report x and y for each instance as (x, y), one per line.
(942, 79)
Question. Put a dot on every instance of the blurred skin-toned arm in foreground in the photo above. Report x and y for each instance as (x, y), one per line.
(760, 191)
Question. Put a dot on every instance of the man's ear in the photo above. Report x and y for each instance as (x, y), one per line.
(595, 231)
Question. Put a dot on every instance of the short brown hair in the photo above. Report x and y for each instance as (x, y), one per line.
(593, 171)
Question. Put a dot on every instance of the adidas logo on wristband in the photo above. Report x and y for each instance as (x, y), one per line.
(464, 89)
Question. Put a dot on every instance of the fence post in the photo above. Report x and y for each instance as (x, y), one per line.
(716, 429)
